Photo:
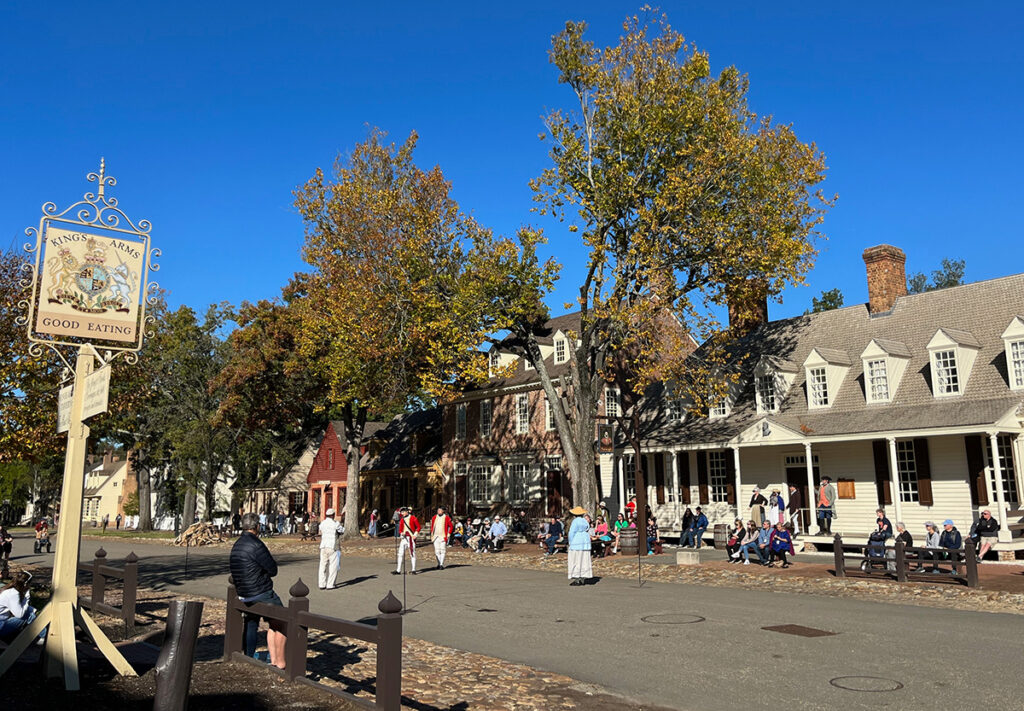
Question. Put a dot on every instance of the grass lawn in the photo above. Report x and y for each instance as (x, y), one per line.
(113, 533)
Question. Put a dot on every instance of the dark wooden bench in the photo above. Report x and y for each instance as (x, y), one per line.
(959, 564)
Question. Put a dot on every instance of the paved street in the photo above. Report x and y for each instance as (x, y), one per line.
(713, 654)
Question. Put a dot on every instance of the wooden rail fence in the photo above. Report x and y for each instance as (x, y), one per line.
(101, 573)
(908, 563)
(386, 634)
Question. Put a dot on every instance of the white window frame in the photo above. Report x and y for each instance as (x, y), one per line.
(1015, 361)
(518, 481)
(493, 361)
(676, 407)
(628, 474)
(460, 421)
(612, 406)
(946, 372)
(549, 416)
(766, 394)
(486, 417)
(1006, 465)
(818, 395)
(561, 350)
(906, 464)
(670, 476)
(522, 413)
(718, 476)
(876, 380)
(479, 484)
(719, 409)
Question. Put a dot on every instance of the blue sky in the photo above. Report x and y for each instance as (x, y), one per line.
(210, 114)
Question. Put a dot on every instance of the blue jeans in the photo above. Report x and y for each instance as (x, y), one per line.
(752, 546)
(696, 536)
(252, 622)
(11, 626)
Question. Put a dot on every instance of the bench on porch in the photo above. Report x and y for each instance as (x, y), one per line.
(907, 563)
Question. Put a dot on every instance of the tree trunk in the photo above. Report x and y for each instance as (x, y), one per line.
(188, 511)
(354, 437)
(145, 497)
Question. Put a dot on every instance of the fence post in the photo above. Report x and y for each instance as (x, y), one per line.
(174, 665)
(971, 561)
(389, 654)
(901, 561)
(837, 548)
(99, 583)
(233, 625)
(130, 592)
(297, 634)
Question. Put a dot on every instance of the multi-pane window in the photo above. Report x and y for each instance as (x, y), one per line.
(460, 421)
(485, 418)
(611, 402)
(719, 409)
(1017, 363)
(549, 415)
(629, 474)
(906, 463)
(522, 413)
(718, 476)
(947, 376)
(553, 463)
(878, 380)
(561, 350)
(495, 359)
(676, 410)
(1006, 465)
(479, 476)
(765, 388)
(670, 475)
(818, 387)
(518, 481)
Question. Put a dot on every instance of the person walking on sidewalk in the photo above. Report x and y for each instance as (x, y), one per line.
(253, 568)
(408, 527)
(580, 569)
(441, 528)
(329, 564)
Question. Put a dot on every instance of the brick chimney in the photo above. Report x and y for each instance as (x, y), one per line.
(748, 306)
(887, 276)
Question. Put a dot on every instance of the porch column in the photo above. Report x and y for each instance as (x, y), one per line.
(997, 474)
(894, 479)
(623, 498)
(309, 498)
(675, 484)
(739, 496)
(337, 490)
(811, 503)
(649, 482)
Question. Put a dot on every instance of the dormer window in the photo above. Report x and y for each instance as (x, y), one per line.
(719, 408)
(764, 386)
(493, 361)
(561, 350)
(527, 365)
(825, 370)
(952, 353)
(947, 375)
(884, 364)
(817, 387)
(1013, 338)
(611, 402)
(676, 409)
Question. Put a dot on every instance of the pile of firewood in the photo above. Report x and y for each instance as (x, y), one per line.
(199, 534)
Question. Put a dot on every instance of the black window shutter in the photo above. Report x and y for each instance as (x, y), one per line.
(702, 476)
(924, 472)
(976, 470)
(684, 475)
(659, 476)
(881, 451)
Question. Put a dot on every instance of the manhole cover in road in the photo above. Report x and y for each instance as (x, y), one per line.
(672, 618)
(799, 631)
(866, 683)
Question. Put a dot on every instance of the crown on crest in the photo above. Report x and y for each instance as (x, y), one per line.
(94, 254)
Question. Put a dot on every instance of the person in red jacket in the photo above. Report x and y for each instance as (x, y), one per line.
(441, 528)
(408, 527)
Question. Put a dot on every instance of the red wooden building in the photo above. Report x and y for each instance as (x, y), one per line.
(328, 475)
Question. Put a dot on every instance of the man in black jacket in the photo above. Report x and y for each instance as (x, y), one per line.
(951, 541)
(987, 531)
(252, 568)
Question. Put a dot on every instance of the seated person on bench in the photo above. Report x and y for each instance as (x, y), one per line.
(553, 536)
(877, 539)
(495, 539)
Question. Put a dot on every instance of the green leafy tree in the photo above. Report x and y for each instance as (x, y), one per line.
(950, 273)
(829, 300)
(130, 505)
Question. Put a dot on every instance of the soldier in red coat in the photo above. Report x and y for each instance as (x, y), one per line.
(408, 527)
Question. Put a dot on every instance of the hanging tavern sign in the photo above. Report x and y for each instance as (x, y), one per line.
(91, 273)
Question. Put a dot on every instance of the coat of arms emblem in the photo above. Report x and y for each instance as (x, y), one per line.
(89, 284)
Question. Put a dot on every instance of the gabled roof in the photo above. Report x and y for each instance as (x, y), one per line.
(964, 338)
(833, 356)
(973, 313)
(412, 441)
(370, 428)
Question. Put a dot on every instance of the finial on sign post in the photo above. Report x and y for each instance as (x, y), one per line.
(103, 171)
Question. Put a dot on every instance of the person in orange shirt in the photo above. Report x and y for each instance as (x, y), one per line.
(826, 505)
(408, 527)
